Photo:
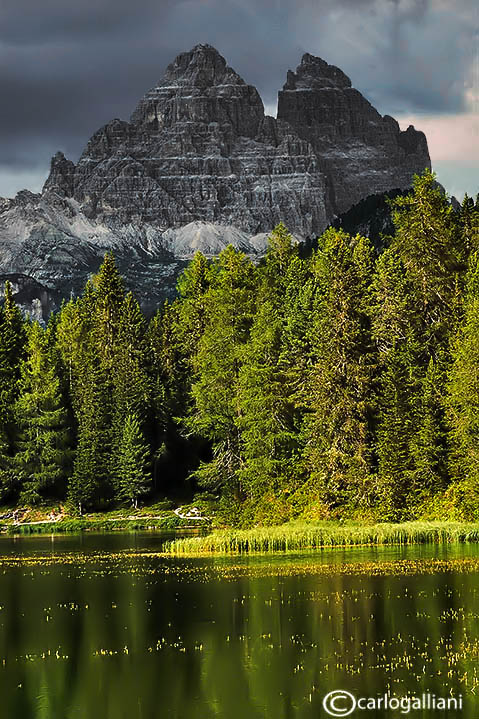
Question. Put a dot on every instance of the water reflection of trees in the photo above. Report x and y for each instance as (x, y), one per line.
(114, 643)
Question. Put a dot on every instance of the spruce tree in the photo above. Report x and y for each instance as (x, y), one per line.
(430, 243)
(133, 476)
(91, 482)
(338, 426)
(193, 286)
(130, 382)
(108, 302)
(215, 411)
(396, 331)
(268, 420)
(12, 352)
(88, 340)
(271, 386)
(170, 380)
(463, 389)
(42, 440)
(429, 446)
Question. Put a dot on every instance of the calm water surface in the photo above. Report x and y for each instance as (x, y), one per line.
(102, 627)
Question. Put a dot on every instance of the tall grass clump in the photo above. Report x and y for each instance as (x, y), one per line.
(298, 536)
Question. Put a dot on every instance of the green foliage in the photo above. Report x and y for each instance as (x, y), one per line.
(344, 384)
(300, 536)
(12, 352)
(215, 412)
(463, 388)
(42, 438)
(91, 471)
(269, 391)
(337, 425)
(133, 477)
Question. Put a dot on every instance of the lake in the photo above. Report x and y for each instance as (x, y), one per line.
(103, 626)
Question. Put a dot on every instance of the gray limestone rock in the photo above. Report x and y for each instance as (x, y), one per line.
(198, 166)
(360, 151)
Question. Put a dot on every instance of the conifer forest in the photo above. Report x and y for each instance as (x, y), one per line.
(338, 383)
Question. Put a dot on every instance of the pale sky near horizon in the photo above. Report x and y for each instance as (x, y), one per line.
(67, 69)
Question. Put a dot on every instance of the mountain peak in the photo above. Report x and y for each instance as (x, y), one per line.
(199, 87)
(202, 66)
(314, 73)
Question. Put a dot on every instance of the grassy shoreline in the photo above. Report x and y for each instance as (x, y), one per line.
(294, 536)
(299, 535)
(96, 525)
(54, 520)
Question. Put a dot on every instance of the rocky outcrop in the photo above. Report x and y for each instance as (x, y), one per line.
(198, 166)
(359, 151)
(199, 147)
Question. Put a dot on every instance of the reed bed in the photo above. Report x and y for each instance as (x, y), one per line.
(298, 536)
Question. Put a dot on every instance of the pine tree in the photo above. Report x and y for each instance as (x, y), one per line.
(133, 476)
(91, 479)
(75, 343)
(108, 303)
(98, 373)
(429, 446)
(193, 286)
(42, 440)
(337, 429)
(271, 381)
(429, 242)
(12, 352)
(268, 421)
(174, 455)
(215, 411)
(463, 388)
(396, 330)
(130, 382)
(281, 251)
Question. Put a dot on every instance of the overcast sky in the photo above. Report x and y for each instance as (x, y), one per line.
(66, 68)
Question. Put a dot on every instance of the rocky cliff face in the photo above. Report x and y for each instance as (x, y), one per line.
(198, 166)
(359, 151)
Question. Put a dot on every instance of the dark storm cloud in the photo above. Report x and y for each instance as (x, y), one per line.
(67, 68)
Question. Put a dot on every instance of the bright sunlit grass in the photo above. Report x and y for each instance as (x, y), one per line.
(296, 536)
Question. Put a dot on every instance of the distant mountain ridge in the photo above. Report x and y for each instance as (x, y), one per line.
(198, 166)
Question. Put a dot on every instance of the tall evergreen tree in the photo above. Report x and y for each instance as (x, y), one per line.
(396, 330)
(215, 412)
(108, 303)
(429, 447)
(337, 429)
(268, 420)
(42, 440)
(463, 388)
(193, 286)
(130, 382)
(133, 476)
(91, 482)
(174, 455)
(271, 386)
(12, 352)
(429, 242)
(88, 339)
